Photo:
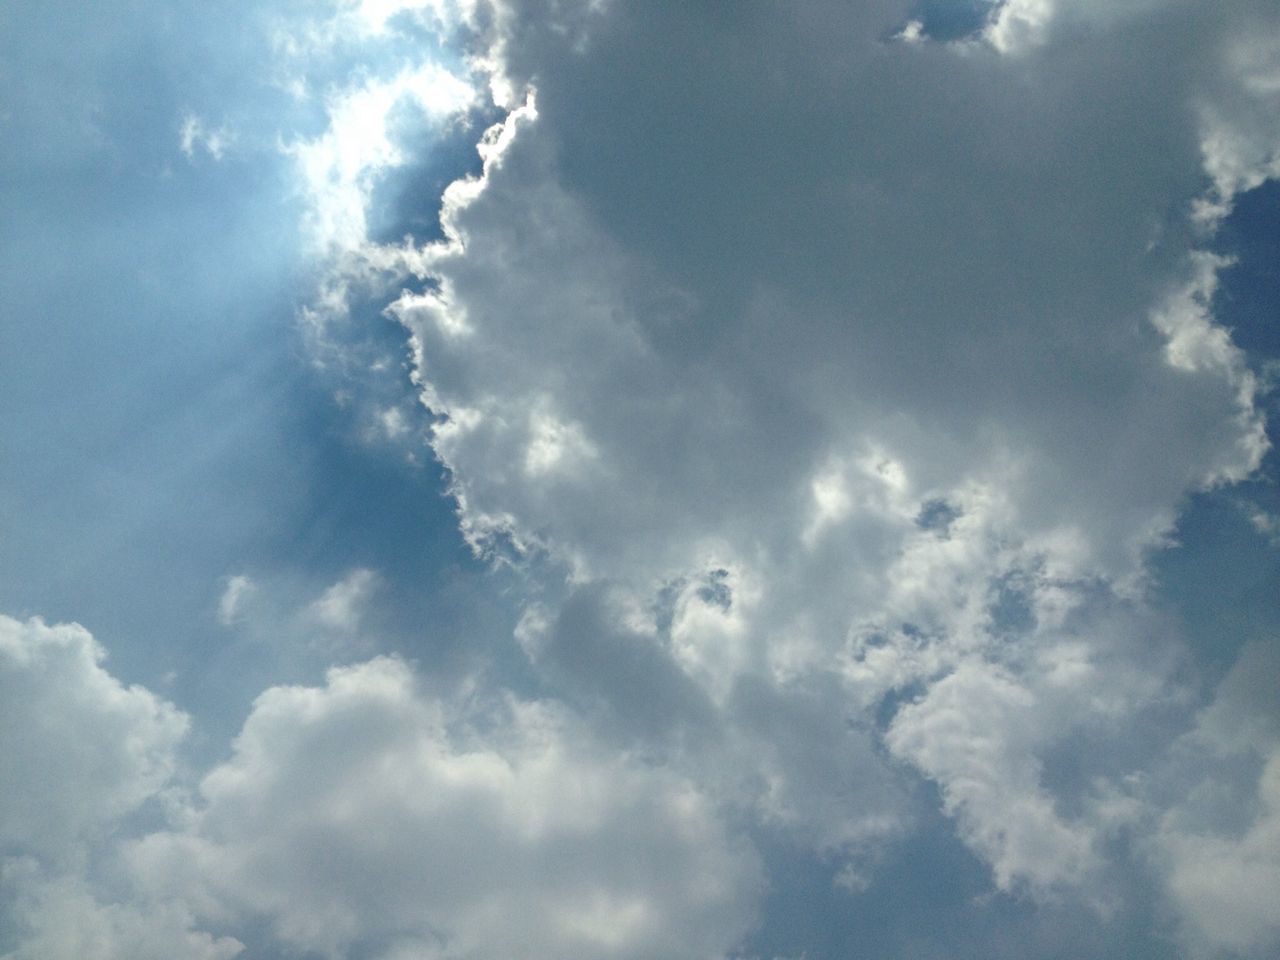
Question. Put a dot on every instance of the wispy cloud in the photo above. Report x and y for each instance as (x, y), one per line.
(231, 606)
(342, 605)
(196, 136)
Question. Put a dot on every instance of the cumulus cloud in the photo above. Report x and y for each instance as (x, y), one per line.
(339, 169)
(78, 749)
(358, 818)
(1224, 884)
(362, 815)
(747, 320)
(969, 733)
(1240, 139)
(61, 919)
(79, 754)
(831, 388)
(843, 385)
(1218, 844)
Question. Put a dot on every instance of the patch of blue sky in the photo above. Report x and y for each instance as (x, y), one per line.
(1221, 582)
(950, 19)
(164, 427)
(1251, 287)
(406, 201)
(928, 896)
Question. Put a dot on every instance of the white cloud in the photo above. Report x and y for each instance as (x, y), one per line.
(599, 325)
(1267, 524)
(341, 606)
(912, 33)
(1225, 886)
(781, 356)
(1018, 27)
(1017, 24)
(836, 397)
(60, 919)
(238, 592)
(1218, 847)
(785, 755)
(79, 754)
(78, 749)
(393, 423)
(363, 810)
(197, 135)
(973, 733)
(1240, 135)
(376, 13)
(554, 446)
(359, 817)
(339, 169)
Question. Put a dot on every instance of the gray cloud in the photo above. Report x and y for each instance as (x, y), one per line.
(747, 293)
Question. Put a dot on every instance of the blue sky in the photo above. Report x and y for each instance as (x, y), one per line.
(470, 476)
(168, 428)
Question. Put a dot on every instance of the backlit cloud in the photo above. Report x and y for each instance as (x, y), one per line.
(824, 388)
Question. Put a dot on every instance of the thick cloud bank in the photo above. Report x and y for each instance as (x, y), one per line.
(861, 369)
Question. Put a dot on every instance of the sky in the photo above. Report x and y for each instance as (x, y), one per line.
(585, 480)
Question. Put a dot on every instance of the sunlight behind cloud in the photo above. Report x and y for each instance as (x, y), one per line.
(640, 481)
(340, 168)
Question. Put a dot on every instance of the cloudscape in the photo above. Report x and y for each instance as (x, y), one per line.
(605, 480)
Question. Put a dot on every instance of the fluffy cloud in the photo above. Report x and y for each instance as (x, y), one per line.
(1218, 845)
(341, 605)
(78, 750)
(782, 756)
(60, 919)
(196, 135)
(339, 169)
(892, 323)
(857, 371)
(1225, 885)
(362, 816)
(79, 753)
(831, 393)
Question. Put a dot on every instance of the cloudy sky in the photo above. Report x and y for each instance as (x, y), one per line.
(592, 480)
